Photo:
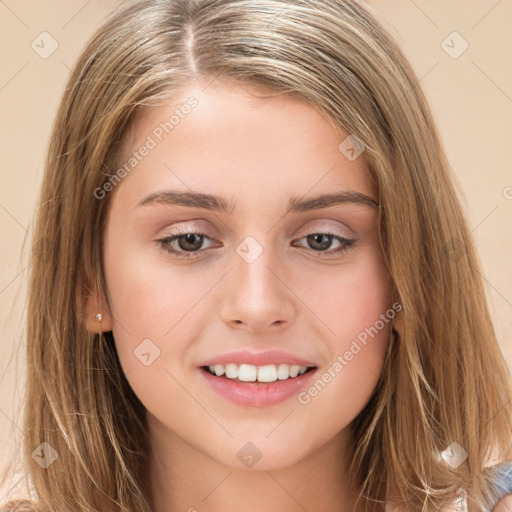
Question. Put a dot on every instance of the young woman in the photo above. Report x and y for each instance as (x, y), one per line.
(253, 285)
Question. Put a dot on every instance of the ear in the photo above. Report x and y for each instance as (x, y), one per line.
(95, 311)
(398, 322)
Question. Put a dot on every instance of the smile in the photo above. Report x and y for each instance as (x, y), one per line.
(252, 373)
(253, 392)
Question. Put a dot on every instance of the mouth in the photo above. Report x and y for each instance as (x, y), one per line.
(257, 386)
(252, 374)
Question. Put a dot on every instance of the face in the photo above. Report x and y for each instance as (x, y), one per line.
(217, 249)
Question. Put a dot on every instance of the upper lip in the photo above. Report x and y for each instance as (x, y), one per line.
(257, 358)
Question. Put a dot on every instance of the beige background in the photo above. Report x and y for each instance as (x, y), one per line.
(471, 97)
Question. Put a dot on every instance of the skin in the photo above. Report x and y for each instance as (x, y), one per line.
(256, 153)
(504, 505)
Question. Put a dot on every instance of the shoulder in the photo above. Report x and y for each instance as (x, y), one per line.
(504, 505)
(502, 477)
(502, 480)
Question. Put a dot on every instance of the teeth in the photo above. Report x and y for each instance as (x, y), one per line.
(251, 373)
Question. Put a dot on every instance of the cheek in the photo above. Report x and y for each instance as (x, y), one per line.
(152, 328)
(357, 351)
(355, 302)
(152, 303)
(349, 298)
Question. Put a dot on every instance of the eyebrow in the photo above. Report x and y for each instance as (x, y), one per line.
(219, 204)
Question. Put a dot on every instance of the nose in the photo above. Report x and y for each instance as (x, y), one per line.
(258, 297)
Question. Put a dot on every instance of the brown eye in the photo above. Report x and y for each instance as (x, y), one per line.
(190, 241)
(321, 242)
(184, 244)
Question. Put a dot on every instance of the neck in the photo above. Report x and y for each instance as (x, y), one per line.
(186, 479)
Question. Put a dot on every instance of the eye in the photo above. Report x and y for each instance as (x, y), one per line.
(189, 244)
(184, 244)
(320, 242)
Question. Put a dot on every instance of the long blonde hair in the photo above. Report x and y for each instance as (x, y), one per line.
(444, 381)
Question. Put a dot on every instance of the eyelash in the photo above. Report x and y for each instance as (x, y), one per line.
(165, 243)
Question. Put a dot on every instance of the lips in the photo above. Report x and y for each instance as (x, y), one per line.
(257, 359)
(257, 394)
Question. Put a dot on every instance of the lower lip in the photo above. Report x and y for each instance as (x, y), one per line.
(257, 394)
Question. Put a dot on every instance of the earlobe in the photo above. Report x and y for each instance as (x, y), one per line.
(398, 319)
(97, 316)
(398, 323)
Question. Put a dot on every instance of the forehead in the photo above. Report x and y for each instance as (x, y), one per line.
(227, 137)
